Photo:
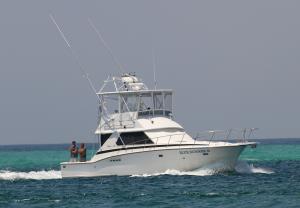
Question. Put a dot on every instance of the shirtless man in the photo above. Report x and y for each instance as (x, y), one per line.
(82, 153)
(73, 152)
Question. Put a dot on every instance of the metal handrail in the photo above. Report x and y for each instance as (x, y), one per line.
(135, 143)
(152, 139)
(241, 134)
(181, 140)
(143, 144)
(153, 112)
(129, 124)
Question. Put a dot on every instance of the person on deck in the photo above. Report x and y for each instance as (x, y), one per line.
(82, 153)
(73, 152)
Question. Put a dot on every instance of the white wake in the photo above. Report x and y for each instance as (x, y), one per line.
(198, 172)
(33, 175)
(241, 167)
(244, 167)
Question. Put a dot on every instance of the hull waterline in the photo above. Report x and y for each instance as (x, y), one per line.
(221, 158)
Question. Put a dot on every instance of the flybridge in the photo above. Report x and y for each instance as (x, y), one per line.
(130, 100)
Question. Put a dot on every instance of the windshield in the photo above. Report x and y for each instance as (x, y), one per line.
(145, 103)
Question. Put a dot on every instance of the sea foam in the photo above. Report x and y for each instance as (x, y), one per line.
(33, 175)
(241, 167)
(198, 172)
(244, 167)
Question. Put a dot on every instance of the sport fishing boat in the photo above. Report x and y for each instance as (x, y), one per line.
(138, 134)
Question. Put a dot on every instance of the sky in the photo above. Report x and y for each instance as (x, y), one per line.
(231, 64)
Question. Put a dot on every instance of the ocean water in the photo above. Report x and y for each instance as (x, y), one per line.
(268, 176)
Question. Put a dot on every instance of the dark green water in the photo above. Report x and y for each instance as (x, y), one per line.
(268, 176)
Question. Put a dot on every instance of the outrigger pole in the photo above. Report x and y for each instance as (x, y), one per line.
(115, 60)
(154, 67)
(84, 73)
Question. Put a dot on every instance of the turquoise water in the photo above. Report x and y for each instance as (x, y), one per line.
(268, 176)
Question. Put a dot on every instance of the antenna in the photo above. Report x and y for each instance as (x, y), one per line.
(154, 67)
(115, 60)
(85, 74)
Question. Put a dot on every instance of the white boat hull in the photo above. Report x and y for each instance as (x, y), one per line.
(127, 162)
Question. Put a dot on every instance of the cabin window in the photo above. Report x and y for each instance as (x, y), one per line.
(146, 102)
(156, 103)
(168, 103)
(104, 138)
(158, 100)
(113, 101)
(132, 138)
(129, 103)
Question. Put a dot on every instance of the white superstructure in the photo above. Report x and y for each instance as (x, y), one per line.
(138, 135)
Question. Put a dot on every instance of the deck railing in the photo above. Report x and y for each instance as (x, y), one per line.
(154, 112)
(231, 135)
(238, 135)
